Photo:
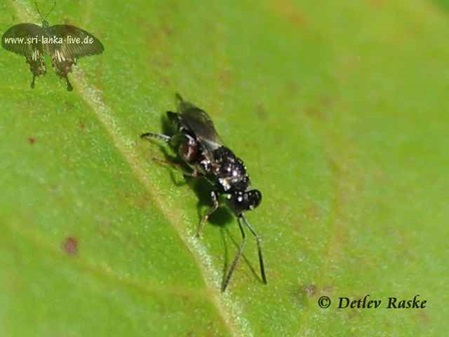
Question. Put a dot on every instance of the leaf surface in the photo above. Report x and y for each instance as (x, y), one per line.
(339, 112)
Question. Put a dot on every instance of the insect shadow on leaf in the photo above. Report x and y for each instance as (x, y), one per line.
(64, 43)
(200, 153)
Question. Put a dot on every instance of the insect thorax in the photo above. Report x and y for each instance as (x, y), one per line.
(229, 171)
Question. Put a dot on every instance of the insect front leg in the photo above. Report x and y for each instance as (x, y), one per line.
(214, 197)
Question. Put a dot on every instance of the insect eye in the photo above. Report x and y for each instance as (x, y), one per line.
(241, 202)
(254, 198)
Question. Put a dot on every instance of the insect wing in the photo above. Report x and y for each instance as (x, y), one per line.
(26, 39)
(23, 39)
(75, 42)
(202, 126)
(68, 43)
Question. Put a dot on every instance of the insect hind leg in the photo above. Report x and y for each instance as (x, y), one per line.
(33, 81)
(149, 135)
(69, 86)
(37, 66)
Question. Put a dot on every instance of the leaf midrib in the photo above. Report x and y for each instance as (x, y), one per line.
(227, 307)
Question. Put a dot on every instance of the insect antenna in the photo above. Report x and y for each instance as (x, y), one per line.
(240, 251)
(44, 18)
(39, 12)
(259, 249)
(236, 258)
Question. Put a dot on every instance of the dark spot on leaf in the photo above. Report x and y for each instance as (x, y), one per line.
(326, 101)
(70, 246)
(310, 289)
(312, 211)
(301, 295)
(31, 140)
(69, 105)
(167, 30)
(314, 112)
(289, 11)
(422, 316)
(378, 4)
(292, 88)
(143, 200)
(225, 77)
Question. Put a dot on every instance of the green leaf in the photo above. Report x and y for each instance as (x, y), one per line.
(339, 111)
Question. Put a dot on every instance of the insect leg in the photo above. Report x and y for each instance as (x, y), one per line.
(160, 136)
(69, 86)
(37, 65)
(171, 161)
(214, 197)
(32, 81)
(236, 258)
(259, 248)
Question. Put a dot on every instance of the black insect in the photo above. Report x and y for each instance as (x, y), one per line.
(64, 43)
(197, 143)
